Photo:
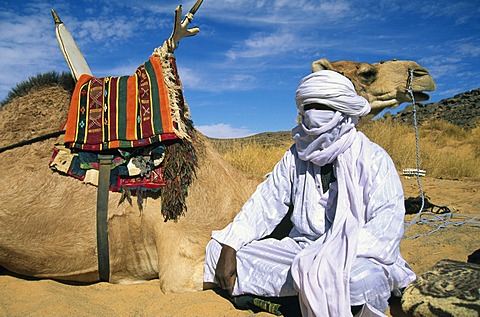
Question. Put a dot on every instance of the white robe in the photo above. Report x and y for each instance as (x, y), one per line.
(381, 199)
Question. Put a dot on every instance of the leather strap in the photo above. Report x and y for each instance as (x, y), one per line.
(102, 217)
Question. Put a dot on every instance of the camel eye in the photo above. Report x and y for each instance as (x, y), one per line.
(369, 75)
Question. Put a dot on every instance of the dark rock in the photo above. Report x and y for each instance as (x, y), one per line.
(462, 110)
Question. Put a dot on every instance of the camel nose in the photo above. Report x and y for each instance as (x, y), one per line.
(423, 78)
(420, 72)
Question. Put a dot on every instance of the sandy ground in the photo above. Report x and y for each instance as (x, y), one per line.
(23, 297)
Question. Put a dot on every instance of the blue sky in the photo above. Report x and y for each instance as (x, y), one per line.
(241, 71)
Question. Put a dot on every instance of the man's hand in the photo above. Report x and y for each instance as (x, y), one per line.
(226, 271)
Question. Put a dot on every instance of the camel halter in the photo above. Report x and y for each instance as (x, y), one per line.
(417, 146)
(445, 222)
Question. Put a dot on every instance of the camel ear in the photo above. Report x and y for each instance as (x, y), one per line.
(321, 64)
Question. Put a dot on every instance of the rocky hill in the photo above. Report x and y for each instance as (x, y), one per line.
(462, 110)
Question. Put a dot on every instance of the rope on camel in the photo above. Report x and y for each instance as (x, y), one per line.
(438, 220)
(31, 141)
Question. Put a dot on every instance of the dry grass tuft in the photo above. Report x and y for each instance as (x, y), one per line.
(251, 156)
(446, 150)
(475, 135)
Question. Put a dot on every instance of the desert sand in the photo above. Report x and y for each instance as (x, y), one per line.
(28, 297)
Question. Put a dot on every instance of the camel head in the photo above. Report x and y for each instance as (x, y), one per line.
(384, 84)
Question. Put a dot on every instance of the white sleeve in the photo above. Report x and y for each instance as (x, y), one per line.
(264, 210)
(381, 236)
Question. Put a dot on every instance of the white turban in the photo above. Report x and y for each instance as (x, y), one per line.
(331, 89)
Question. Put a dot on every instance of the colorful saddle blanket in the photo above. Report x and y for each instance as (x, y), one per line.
(121, 112)
(144, 122)
(129, 170)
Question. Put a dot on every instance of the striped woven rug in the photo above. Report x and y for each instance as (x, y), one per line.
(121, 112)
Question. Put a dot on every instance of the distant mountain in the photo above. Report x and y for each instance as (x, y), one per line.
(462, 110)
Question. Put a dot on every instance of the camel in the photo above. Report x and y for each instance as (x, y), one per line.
(370, 81)
(47, 220)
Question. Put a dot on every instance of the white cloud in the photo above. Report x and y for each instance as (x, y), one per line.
(121, 70)
(27, 47)
(106, 29)
(211, 81)
(440, 65)
(223, 131)
(468, 47)
(263, 44)
(276, 12)
(191, 78)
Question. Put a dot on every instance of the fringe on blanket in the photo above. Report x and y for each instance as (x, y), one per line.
(180, 156)
(179, 173)
(179, 107)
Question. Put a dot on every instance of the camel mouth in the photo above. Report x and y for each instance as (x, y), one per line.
(420, 96)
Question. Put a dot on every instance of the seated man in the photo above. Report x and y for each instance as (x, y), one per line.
(347, 214)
